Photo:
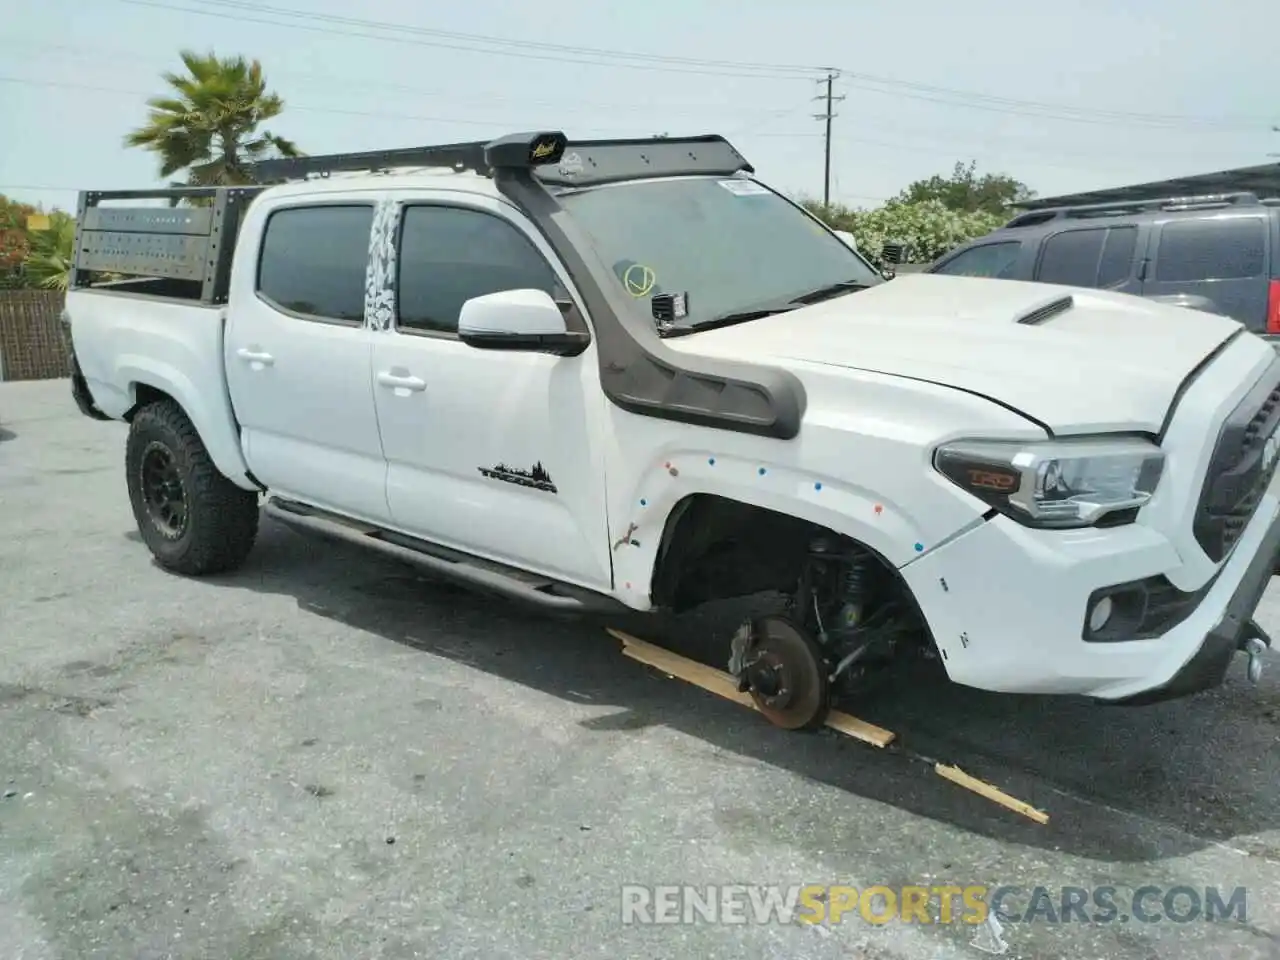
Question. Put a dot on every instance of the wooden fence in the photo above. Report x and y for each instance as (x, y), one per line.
(31, 339)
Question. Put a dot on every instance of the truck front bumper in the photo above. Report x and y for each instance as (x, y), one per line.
(1008, 608)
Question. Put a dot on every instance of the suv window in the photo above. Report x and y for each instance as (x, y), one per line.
(1227, 248)
(450, 254)
(1071, 258)
(1116, 264)
(313, 261)
(988, 260)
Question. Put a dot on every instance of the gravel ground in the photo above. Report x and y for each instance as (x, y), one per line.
(325, 756)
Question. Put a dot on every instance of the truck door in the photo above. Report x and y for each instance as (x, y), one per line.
(1223, 258)
(494, 453)
(298, 353)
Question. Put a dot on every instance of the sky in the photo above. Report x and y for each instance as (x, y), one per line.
(1063, 96)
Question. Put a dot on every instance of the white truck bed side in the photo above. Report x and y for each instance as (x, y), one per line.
(123, 343)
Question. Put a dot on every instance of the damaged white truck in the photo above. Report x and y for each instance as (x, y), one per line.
(627, 375)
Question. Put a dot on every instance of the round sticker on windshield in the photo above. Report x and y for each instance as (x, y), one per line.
(639, 280)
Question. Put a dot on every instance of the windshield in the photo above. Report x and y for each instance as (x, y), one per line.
(731, 246)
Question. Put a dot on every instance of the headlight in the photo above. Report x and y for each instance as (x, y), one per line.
(1055, 483)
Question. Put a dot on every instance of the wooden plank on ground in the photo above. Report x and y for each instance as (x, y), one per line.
(723, 685)
(994, 794)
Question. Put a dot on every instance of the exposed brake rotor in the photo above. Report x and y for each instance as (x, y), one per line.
(786, 675)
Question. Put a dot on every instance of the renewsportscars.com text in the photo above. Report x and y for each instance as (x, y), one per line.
(928, 904)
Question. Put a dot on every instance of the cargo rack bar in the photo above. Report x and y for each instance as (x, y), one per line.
(185, 250)
(583, 162)
(190, 247)
(455, 156)
(1197, 202)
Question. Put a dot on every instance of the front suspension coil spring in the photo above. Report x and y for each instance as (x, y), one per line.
(857, 587)
(857, 577)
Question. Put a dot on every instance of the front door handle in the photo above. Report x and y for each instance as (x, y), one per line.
(255, 356)
(401, 381)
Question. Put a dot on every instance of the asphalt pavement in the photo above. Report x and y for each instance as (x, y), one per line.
(326, 755)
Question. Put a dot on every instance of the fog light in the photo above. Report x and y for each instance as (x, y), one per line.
(1100, 614)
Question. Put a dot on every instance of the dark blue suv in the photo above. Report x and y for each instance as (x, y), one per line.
(1219, 253)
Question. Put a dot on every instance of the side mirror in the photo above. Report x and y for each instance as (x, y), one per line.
(527, 320)
(847, 237)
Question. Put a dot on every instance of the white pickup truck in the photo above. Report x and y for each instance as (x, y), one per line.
(627, 375)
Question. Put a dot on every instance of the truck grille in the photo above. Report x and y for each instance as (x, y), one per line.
(1240, 468)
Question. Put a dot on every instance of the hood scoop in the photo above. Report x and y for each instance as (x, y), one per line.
(1048, 311)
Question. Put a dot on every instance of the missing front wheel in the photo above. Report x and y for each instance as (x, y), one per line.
(784, 671)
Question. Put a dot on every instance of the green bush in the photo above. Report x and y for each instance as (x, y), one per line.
(928, 228)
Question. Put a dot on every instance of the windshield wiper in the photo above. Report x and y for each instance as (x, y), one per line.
(728, 319)
(830, 290)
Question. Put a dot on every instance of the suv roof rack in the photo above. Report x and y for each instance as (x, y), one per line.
(1117, 207)
(549, 155)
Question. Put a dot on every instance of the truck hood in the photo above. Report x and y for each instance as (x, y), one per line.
(1075, 360)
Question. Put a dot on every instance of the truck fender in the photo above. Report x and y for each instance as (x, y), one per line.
(838, 505)
(210, 413)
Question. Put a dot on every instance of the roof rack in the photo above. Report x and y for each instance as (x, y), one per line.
(457, 156)
(191, 246)
(550, 156)
(1115, 207)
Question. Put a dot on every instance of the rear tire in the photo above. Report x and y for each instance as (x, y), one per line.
(193, 519)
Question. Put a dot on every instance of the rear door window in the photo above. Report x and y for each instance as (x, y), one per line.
(1116, 264)
(313, 260)
(1071, 258)
(987, 260)
(1222, 248)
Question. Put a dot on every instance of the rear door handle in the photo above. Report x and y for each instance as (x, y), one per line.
(401, 381)
(255, 356)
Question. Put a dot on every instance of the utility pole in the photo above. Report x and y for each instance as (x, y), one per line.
(828, 115)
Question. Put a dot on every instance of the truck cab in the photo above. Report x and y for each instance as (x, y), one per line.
(628, 376)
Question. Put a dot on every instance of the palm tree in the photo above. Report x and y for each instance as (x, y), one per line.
(210, 128)
(48, 265)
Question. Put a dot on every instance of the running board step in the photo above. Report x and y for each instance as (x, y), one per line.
(450, 564)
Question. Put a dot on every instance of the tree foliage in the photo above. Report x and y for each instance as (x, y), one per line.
(966, 192)
(14, 239)
(928, 228)
(36, 247)
(209, 125)
(48, 264)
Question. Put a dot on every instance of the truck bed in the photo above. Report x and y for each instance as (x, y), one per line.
(133, 341)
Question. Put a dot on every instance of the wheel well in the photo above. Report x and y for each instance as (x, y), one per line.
(715, 548)
(144, 395)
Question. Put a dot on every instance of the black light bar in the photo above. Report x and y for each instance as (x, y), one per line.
(590, 162)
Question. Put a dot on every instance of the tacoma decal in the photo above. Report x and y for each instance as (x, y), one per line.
(537, 477)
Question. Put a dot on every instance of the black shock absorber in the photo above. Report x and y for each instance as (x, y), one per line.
(856, 592)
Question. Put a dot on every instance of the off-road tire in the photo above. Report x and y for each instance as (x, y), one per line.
(221, 519)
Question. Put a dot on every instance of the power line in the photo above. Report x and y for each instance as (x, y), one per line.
(936, 147)
(828, 115)
(601, 61)
(684, 106)
(306, 20)
(1020, 146)
(470, 121)
(802, 69)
